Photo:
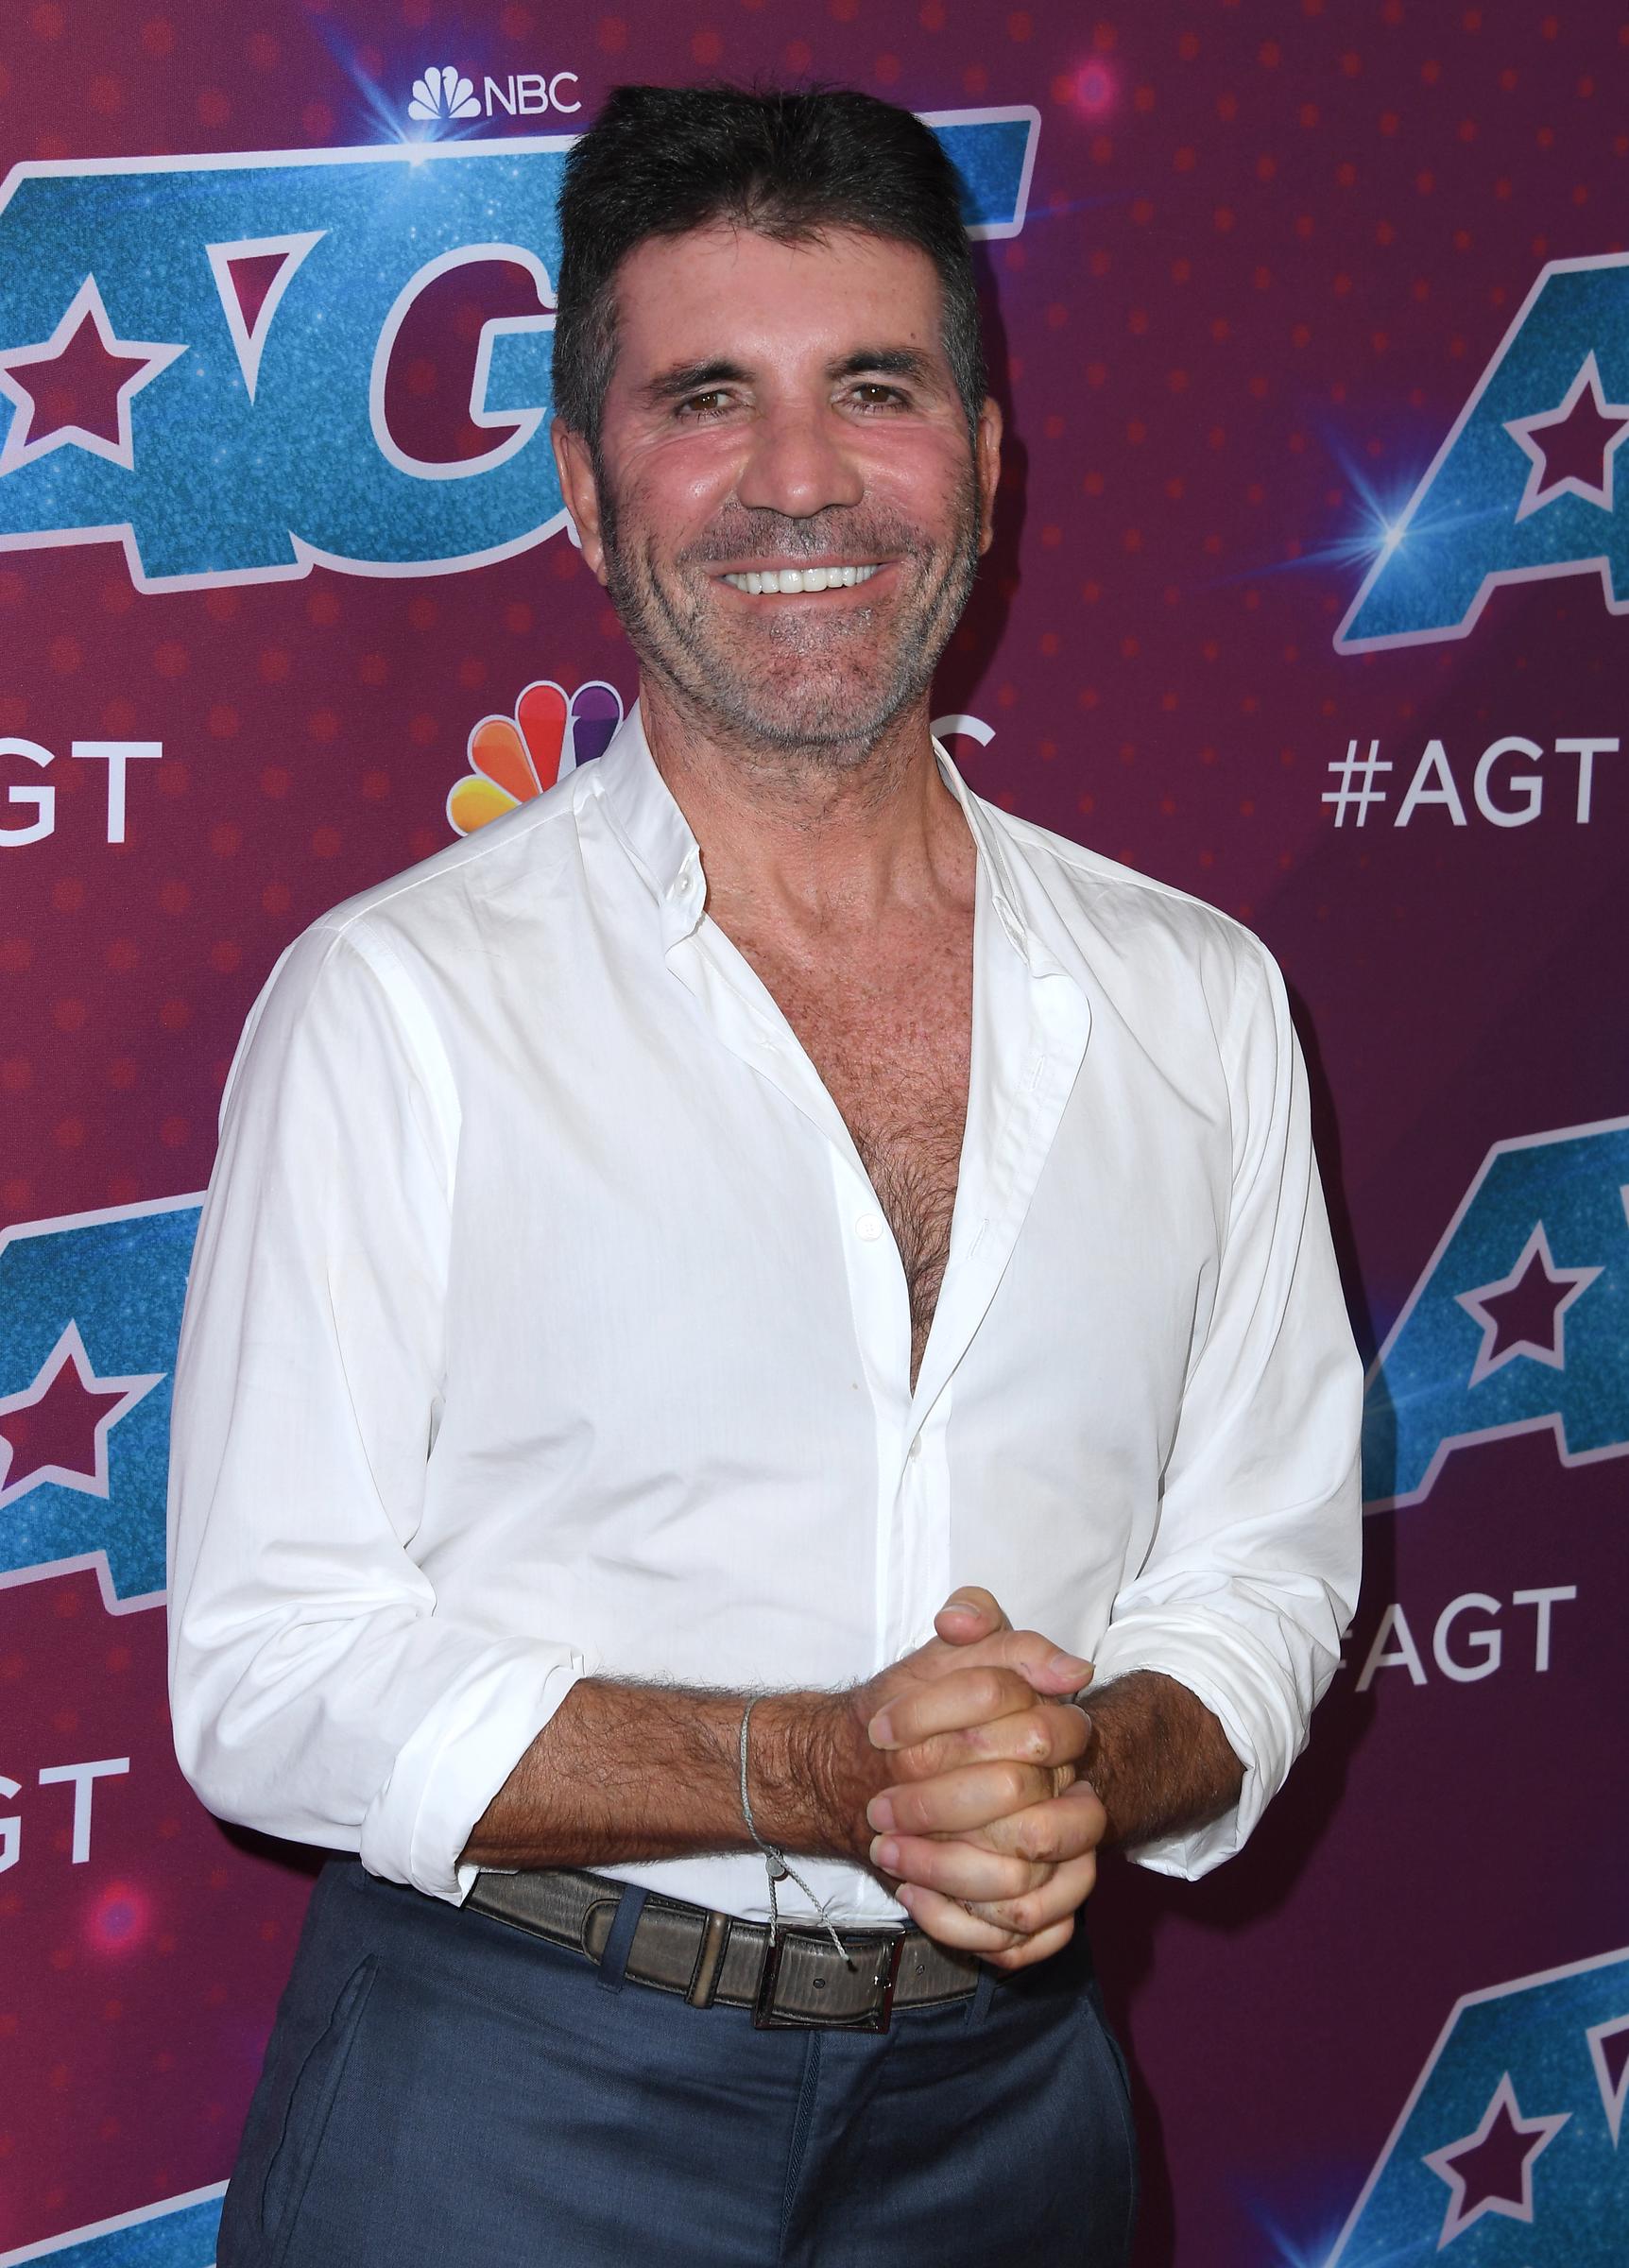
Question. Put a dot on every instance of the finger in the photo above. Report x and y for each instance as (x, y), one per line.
(1030, 1847)
(953, 1703)
(1064, 1890)
(1041, 1660)
(1028, 1951)
(1049, 1732)
(985, 1680)
(973, 1613)
(956, 1803)
(1006, 1859)
(961, 1869)
(1057, 1831)
(950, 1924)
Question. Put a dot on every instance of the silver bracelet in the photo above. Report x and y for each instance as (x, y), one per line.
(776, 1864)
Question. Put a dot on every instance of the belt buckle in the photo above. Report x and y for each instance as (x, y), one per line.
(766, 2018)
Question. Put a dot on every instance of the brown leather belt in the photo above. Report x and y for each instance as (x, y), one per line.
(714, 1958)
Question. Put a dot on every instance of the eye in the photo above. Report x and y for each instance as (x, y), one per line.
(712, 404)
(871, 394)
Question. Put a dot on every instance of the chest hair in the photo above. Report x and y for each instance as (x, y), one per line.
(895, 1055)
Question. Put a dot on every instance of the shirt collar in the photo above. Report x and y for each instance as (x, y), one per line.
(996, 856)
(668, 858)
(653, 829)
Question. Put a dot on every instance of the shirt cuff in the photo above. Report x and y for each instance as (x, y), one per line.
(1242, 1690)
(456, 1760)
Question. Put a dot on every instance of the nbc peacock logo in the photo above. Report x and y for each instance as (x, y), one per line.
(514, 758)
(443, 94)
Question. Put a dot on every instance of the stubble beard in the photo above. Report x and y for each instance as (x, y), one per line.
(830, 688)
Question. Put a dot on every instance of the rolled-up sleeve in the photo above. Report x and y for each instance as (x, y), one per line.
(315, 1690)
(1252, 1576)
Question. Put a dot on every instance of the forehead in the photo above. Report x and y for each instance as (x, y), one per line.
(727, 290)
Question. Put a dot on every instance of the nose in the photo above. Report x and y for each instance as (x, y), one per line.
(800, 463)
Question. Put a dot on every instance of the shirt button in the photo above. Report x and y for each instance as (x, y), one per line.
(914, 1452)
(868, 1227)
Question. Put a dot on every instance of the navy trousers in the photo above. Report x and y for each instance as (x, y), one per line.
(443, 2090)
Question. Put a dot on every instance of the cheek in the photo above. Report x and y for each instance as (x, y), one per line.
(675, 487)
(926, 477)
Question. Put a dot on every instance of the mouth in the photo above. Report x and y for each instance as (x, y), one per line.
(791, 582)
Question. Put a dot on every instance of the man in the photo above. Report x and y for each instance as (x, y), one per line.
(665, 1246)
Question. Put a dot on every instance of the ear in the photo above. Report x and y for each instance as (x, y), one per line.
(580, 490)
(988, 461)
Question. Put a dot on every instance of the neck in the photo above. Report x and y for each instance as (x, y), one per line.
(846, 831)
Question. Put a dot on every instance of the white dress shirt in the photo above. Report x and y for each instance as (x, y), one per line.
(543, 1323)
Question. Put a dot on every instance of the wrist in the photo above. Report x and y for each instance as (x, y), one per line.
(831, 1772)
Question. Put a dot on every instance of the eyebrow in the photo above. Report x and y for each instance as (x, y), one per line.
(692, 378)
(686, 378)
(887, 362)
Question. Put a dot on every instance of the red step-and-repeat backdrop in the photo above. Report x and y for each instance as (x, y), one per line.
(1311, 325)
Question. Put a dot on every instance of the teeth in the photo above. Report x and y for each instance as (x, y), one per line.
(792, 579)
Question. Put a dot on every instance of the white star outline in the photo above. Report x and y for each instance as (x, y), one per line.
(1457, 2220)
(19, 449)
(70, 1347)
(1540, 490)
(1555, 1355)
(1612, 2097)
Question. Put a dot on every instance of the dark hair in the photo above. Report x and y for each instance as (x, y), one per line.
(661, 161)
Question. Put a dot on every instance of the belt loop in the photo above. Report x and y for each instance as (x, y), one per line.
(978, 2007)
(709, 1961)
(614, 1961)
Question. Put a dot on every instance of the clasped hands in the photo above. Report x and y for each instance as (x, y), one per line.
(984, 1833)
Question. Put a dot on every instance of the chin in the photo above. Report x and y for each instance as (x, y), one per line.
(808, 698)
(834, 714)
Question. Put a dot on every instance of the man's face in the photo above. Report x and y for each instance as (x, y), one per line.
(783, 411)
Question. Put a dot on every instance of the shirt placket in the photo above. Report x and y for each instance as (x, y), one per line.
(1030, 1024)
(745, 1018)
(1030, 1028)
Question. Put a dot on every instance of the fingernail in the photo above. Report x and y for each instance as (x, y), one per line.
(885, 1854)
(962, 1606)
(880, 1811)
(906, 1897)
(880, 1730)
(1067, 1665)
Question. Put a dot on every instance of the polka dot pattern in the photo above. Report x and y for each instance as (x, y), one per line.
(134, 1948)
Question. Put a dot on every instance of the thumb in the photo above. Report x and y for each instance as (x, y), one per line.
(970, 1614)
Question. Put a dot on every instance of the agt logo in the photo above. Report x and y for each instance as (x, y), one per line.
(36, 800)
(1505, 786)
(196, 353)
(1520, 1324)
(444, 96)
(1513, 2136)
(89, 1314)
(1525, 485)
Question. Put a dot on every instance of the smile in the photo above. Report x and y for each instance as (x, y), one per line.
(784, 581)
